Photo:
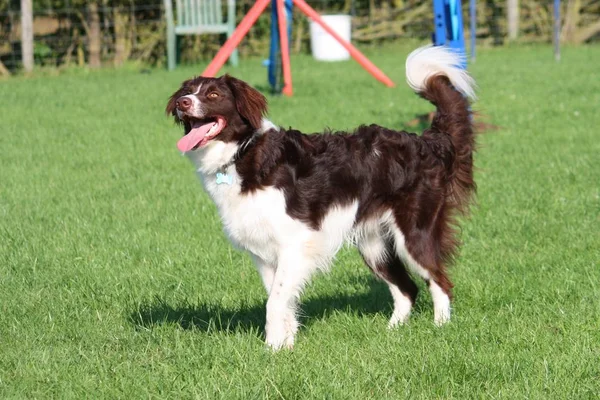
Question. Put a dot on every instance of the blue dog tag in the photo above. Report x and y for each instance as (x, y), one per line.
(224, 179)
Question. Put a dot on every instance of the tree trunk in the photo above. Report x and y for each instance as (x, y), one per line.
(513, 19)
(105, 53)
(122, 43)
(94, 36)
(569, 30)
(27, 35)
(493, 22)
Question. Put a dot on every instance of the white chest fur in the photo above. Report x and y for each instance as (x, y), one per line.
(258, 222)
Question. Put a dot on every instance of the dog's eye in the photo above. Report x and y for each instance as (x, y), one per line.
(213, 95)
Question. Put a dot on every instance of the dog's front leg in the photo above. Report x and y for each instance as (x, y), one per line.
(266, 272)
(293, 270)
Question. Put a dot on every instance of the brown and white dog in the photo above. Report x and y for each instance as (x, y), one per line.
(292, 200)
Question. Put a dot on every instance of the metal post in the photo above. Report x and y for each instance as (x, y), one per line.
(231, 17)
(473, 21)
(557, 30)
(512, 16)
(27, 35)
(171, 39)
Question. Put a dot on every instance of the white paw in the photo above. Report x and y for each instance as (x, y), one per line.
(280, 336)
(280, 341)
(441, 316)
(402, 308)
(441, 304)
(398, 319)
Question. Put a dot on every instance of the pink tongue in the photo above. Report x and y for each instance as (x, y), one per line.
(195, 136)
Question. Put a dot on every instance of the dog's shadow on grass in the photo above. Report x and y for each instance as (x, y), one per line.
(251, 318)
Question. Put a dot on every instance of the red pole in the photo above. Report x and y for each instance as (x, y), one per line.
(357, 55)
(285, 50)
(235, 39)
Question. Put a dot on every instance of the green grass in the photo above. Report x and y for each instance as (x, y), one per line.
(116, 281)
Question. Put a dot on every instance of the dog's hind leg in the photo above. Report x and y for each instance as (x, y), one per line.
(431, 270)
(379, 255)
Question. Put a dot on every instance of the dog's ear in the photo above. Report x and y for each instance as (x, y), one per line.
(250, 103)
(171, 108)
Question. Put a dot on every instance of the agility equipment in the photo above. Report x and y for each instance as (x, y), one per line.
(251, 17)
(449, 25)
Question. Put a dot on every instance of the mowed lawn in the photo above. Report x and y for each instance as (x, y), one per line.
(116, 280)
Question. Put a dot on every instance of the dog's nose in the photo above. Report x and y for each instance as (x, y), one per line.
(183, 103)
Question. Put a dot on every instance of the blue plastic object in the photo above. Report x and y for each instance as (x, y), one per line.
(449, 25)
(274, 63)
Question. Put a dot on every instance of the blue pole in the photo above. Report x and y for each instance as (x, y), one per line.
(449, 25)
(557, 30)
(439, 20)
(274, 63)
(473, 21)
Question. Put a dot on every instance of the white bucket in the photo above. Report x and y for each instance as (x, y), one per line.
(324, 46)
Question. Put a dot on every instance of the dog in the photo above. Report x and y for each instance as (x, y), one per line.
(292, 200)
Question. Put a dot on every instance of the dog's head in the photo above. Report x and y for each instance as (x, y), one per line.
(224, 108)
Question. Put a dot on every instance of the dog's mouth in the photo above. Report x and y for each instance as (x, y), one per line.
(203, 130)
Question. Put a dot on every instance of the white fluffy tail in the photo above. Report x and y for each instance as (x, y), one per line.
(428, 61)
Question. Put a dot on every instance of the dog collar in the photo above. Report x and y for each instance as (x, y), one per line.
(222, 176)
